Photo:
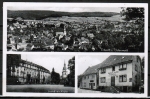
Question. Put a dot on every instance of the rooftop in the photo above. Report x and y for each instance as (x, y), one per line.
(110, 61)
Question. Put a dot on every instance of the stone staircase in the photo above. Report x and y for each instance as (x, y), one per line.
(111, 89)
(115, 89)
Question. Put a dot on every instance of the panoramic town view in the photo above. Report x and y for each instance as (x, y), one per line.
(111, 74)
(118, 30)
(40, 73)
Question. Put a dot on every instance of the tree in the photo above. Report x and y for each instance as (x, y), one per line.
(55, 77)
(70, 80)
(142, 63)
(132, 13)
(128, 41)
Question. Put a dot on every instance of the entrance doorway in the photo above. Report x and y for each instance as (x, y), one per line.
(91, 85)
(113, 81)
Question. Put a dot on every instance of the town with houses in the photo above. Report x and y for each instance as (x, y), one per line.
(75, 34)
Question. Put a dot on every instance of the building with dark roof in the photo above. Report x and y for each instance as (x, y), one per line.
(25, 72)
(89, 78)
(123, 72)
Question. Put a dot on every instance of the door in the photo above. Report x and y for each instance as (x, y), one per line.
(91, 85)
(113, 81)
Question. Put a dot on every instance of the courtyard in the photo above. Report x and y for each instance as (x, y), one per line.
(40, 88)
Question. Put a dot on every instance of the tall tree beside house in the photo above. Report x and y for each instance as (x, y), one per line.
(55, 77)
(142, 68)
(70, 80)
(132, 13)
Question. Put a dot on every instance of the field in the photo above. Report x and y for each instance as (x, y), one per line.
(84, 19)
(40, 88)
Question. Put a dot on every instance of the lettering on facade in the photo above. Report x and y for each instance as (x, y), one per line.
(113, 73)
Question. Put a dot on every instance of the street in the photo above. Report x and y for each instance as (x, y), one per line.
(87, 91)
(40, 88)
(94, 91)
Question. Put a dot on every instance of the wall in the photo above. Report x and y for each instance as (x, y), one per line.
(23, 69)
(87, 81)
(136, 73)
(116, 73)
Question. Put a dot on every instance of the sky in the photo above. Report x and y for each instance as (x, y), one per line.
(70, 9)
(85, 61)
(48, 61)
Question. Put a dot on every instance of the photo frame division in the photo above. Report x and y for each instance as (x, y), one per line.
(78, 28)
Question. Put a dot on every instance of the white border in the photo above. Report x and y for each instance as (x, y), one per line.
(25, 4)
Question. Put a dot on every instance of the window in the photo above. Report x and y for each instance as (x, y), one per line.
(103, 80)
(103, 70)
(130, 79)
(123, 67)
(85, 77)
(136, 69)
(93, 84)
(113, 68)
(84, 84)
(122, 78)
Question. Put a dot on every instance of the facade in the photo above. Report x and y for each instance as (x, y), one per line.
(89, 78)
(26, 72)
(121, 72)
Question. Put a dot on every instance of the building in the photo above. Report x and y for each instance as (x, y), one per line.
(64, 72)
(120, 72)
(24, 72)
(89, 78)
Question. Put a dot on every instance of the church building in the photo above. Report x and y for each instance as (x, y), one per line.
(64, 72)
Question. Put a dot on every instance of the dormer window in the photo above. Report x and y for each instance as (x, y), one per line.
(103, 70)
(123, 67)
(113, 68)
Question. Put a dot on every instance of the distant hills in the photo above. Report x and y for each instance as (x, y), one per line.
(38, 14)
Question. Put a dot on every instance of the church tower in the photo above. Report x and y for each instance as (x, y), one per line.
(64, 72)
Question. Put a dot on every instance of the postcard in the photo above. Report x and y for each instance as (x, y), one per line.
(75, 49)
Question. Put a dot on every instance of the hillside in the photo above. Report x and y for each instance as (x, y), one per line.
(45, 14)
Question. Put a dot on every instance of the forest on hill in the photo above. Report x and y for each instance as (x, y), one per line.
(38, 14)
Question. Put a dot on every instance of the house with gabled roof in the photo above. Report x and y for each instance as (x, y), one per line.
(120, 71)
(117, 72)
(89, 78)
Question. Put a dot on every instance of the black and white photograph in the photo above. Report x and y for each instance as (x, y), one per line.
(75, 49)
(40, 73)
(75, 29)
(111, 74)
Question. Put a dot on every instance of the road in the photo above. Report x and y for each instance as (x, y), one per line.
(87, 91)
(93, 91)
(40, 88)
